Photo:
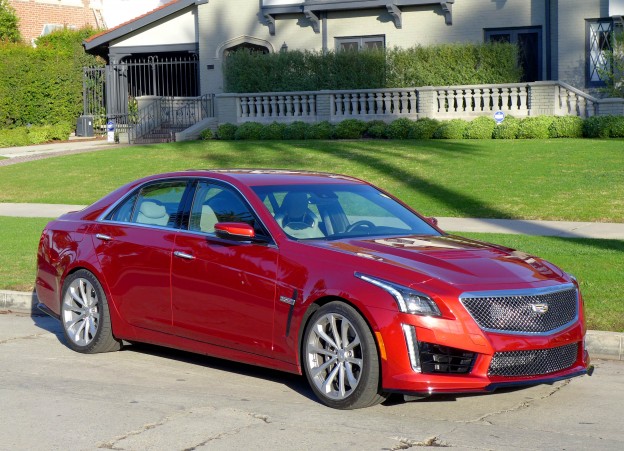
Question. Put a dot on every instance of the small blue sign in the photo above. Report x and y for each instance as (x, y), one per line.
(499, 116)
(110, 126)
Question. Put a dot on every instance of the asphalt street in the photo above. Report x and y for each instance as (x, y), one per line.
(148, 398)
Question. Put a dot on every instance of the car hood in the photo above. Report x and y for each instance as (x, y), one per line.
(451, 259)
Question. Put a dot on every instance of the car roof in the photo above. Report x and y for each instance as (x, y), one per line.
(264, 177)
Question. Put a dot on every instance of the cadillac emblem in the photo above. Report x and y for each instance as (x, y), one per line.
(539, 309)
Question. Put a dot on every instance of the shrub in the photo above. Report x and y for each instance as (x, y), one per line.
(227, 132)
(61, 131)
(424, 128)
(273, 131)
(508, 129)
(535, 127)
(14, 137)
(453, 129)
(435, 65)
(604, 127)
(566, 127)
(617, 127)
(39, 134)
(296, 130)
(480, 128)
(376, 130)
(206, 135)
(400, 128)
(350, 129)
(43, 85)
(320, 130)
(249, 131)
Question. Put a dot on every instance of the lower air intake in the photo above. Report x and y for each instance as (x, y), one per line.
(533, 363)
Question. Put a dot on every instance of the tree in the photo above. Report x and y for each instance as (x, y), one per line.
(9, 29)
(613, 72)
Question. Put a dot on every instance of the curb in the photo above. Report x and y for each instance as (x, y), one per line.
(600, 344)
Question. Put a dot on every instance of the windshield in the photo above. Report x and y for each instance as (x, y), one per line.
(339, 211)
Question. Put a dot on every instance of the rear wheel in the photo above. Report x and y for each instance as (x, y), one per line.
(85, 316)
(340, 358)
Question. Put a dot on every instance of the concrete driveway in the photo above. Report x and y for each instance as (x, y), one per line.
(147, 398)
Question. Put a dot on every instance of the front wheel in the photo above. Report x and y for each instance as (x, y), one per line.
(340, 358)
(85, 316)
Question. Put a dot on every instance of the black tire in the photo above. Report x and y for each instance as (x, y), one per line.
(340, 358)
(85, 316)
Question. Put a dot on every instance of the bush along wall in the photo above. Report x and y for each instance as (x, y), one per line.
(437, 65)
(43, 85)
(538, 127)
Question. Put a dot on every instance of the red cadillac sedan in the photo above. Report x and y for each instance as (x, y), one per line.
(311, 273)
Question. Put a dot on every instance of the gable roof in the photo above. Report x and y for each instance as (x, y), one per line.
(137, 23)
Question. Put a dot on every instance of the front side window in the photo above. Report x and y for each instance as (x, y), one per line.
(358, 43)
(599, 45)
(156, 204)
(217, 203)
(339, 211)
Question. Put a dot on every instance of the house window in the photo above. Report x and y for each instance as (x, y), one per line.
(357, 43)
(529, 41)
(50, 27)
(599, 44)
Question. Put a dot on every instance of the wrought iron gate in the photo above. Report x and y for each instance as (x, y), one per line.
(110, 92)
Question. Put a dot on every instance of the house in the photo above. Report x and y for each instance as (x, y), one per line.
(560, 40)
(40, 17)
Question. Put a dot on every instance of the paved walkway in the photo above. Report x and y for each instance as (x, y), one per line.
(22, 154)
(565, 229)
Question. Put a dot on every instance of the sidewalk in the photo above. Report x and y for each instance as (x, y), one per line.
(564, 229)
(75, 145)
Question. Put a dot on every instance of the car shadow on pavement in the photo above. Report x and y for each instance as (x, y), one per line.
(293, 381)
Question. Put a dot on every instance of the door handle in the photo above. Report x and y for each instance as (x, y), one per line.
(183, 255)
(101, 236)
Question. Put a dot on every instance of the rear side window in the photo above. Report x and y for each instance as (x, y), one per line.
(157, 204)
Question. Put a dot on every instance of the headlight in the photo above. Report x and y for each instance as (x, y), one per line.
(408, 300)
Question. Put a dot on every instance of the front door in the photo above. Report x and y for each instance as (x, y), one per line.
(529, 41)
(223, 292)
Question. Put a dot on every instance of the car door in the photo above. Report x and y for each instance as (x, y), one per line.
(223, 291)
(134, 244)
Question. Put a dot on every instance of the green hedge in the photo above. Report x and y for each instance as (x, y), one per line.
(436, 65)
(43, 85)
(539, 127)
(24, 136)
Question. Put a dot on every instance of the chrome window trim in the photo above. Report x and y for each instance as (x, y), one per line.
(188, 179)
(523, 292)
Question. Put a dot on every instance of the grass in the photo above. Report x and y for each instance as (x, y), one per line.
(598, 264)
(563, 179)
(19, 238)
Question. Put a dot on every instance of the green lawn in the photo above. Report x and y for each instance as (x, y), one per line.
(598, 264)
(563, 179)
(19, 238)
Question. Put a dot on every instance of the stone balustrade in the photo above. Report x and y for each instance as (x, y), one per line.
(446, 102)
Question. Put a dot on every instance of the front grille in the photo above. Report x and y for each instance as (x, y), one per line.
(443, 359)
(530, 312)
(533, 363)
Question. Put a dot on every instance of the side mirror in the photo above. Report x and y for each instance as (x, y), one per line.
(431, 220)
(237, 231)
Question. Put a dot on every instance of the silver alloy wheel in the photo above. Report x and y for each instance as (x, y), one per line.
(334, 356)
(80, 312)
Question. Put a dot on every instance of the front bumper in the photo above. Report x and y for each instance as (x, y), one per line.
(472, 371)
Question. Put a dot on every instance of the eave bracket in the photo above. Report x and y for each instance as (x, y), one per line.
(270, 21)
(312, 17)
(447, 9)
(395, 12)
